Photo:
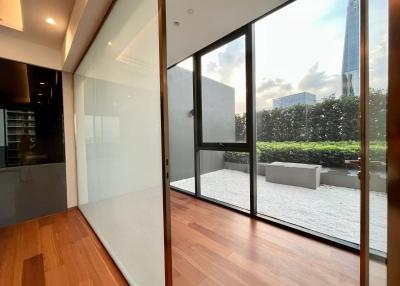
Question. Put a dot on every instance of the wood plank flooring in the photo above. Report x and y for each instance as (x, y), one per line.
(214, 246)
(210, 245)
(56, 250)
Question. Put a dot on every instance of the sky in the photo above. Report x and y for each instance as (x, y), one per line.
(299, 48)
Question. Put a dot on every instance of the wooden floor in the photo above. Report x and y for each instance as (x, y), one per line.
(215, 246)
(55, 250)
(210, 245)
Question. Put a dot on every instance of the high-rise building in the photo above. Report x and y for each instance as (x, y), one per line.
(302, 98)
(351, 52)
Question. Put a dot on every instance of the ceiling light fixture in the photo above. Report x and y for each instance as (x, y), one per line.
(50, 21)
(190, 11)
(109, 43)
(41, 83)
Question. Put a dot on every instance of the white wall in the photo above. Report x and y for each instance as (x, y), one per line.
(69, 134)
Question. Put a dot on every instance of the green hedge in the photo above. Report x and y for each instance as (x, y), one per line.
(332, 119)
(327, 154)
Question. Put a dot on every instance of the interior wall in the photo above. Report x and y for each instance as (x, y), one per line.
(69, 133)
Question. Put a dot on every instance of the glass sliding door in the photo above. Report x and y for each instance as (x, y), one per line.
(118, 134)
(307, 109)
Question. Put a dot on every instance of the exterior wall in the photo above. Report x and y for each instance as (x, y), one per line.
(181, 136)
(218, 107)
(294, 99)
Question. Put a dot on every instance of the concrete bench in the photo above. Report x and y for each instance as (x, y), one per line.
(294, 174)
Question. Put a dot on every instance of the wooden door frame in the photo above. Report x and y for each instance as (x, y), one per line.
(165, 140)
(393, 155)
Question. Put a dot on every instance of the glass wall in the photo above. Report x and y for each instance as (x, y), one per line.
(32, 160)
(118, 134)
(308, 129)
(306, 72)
(181, 128)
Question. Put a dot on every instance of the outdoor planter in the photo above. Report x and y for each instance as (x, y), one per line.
(295, 174)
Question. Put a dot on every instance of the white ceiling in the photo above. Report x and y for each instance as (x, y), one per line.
(210, 20)
(34, 14)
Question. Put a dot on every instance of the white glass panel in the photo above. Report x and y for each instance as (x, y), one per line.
(118, 130)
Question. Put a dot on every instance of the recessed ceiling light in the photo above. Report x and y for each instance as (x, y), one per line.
(41, 83)
(176, 23)
(50, 21)
(109, 43)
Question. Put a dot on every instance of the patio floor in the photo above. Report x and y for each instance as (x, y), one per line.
(331, 210)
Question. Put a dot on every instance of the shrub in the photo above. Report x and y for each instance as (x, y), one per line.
(332, 119)
(327, 154)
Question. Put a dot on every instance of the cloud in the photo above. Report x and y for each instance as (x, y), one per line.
(378, 66)
(229, 59)
(277, 84)
(319, 83)
(271, 88)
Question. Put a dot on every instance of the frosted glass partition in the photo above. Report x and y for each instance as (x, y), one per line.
(118, 133)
